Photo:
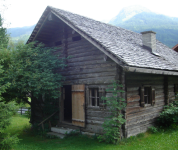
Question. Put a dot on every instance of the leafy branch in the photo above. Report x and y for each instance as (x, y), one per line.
(112, 125)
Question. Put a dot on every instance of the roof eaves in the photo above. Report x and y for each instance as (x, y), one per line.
(152, 71)
(175, 47)
(38, 25)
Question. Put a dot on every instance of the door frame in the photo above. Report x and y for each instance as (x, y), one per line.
(61, 106)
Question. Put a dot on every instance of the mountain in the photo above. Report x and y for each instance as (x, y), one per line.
(127, 13)
(15, 32)
(139, 19)
(20, 33)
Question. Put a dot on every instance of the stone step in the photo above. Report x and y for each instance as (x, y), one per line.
(56, 134)
(61, 130)
(69, 126)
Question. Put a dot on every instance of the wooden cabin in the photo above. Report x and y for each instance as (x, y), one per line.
(101, 53)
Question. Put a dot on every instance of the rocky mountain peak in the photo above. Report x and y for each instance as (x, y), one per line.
(128, 12)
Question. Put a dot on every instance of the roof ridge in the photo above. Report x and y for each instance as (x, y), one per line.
(94, 20)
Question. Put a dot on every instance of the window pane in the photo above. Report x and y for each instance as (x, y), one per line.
(94, 96)
(93, 101)
(147, 95)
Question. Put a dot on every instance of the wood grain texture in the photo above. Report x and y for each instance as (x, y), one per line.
(78, 103)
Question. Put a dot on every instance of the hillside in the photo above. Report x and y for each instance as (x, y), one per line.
(20, 33)
(140, 20)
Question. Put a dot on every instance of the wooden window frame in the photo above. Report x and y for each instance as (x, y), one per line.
(150, 96)
(58, 43)
(76, 38)
(94, 97)
(175, 89)
(101, 92)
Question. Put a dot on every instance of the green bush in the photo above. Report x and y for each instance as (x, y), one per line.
(112, 125)
(8, 141)
(153, 129)
(169, 115)
(6, 111)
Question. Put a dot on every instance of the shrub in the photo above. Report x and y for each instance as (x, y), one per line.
(8, 141)
(153, 129)
(169, 115)
(6, 111)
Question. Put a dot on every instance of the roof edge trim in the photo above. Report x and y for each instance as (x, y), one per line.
(152, 71)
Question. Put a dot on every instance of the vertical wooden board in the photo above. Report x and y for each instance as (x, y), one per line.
(61, 104)
(78, 105)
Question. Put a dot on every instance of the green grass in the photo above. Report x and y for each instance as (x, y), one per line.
(167, 140)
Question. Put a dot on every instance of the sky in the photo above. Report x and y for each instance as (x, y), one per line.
(21, 13)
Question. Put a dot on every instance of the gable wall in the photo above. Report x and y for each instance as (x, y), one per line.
(86, 66)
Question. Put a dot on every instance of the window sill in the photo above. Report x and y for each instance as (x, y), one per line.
(148, 105)
(93, 107)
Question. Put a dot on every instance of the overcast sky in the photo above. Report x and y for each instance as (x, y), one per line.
(27, 12)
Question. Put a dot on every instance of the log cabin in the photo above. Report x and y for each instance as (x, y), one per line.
(102, 53)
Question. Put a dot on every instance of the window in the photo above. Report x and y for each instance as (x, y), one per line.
(58, 43)
(93, 96)
(176, 89)
(147, 96)
(76, 38)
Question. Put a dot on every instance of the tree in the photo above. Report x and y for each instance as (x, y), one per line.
(32, 70)
(3, 35)
(6, 110)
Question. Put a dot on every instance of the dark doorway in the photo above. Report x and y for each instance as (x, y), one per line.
(68, 104)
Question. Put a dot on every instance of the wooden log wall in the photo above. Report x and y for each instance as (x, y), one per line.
(140, 118)
(87, 65)
(172, 80)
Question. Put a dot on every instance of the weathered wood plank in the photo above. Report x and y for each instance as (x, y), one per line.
(101, 80)
(83, 59)
(139, 129)
(88, 62)
(151, 110)
(93, 128)
(143, 118)
(87, 71)
(90, 75)
(98, 114)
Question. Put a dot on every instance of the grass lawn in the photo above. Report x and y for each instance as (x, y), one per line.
(167, 140)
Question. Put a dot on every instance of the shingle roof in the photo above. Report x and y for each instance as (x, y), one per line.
(124, 44)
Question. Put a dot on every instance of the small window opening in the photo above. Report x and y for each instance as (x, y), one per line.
(76, 38)
(176, 89)
(58, 43)
(94, 97)
(147, 95)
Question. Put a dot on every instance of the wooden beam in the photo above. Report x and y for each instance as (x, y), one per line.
(44, 39)
(166, 90)
(41, 27)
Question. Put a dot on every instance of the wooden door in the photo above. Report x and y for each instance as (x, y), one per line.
(78, 105)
